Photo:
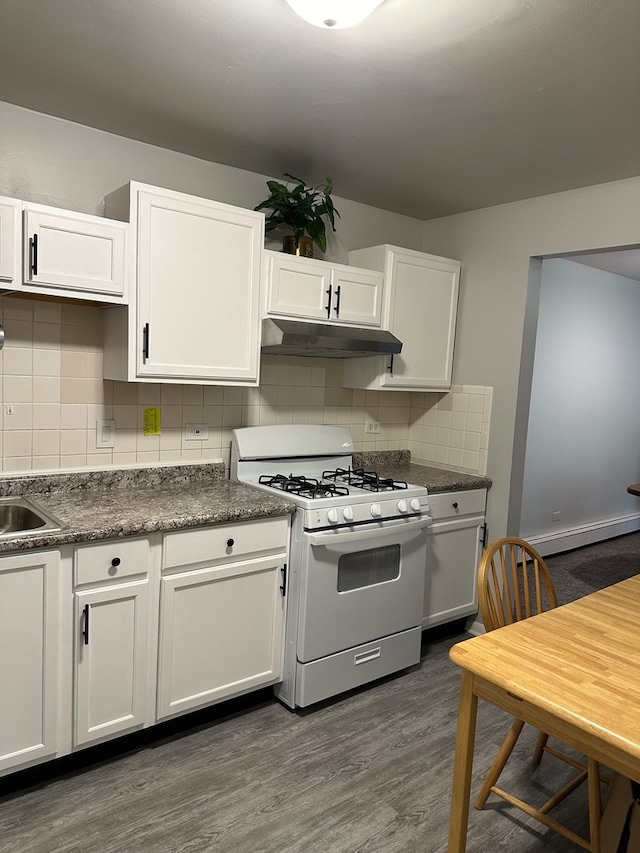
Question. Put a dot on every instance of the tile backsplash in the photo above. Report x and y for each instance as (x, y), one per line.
(53, 394)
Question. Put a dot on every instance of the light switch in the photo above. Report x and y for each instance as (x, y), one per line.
(105, 433)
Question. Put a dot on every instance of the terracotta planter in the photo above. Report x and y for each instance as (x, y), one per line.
(303, 247)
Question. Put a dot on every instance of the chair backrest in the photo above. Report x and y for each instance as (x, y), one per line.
(513, 583)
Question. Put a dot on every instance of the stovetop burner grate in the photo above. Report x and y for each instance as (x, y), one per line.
(361, 479)
(305, 487)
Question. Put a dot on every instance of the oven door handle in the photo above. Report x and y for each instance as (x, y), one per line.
(367, 533)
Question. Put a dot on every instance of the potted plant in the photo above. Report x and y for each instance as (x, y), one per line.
(302, 210)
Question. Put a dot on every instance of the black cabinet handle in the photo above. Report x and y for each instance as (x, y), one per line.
(231, 543)
(33, 254)
(283, 588)
(455, 504)
(145, 342)
(327, 307)
(337, 308)
(85, 629)
(390, 365)
(116, 561)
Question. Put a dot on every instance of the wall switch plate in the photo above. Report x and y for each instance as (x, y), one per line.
(555, 516)
(196, 432)
(372, 427)
(105, 433)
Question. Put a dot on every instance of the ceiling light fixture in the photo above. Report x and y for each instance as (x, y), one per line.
(334, 14)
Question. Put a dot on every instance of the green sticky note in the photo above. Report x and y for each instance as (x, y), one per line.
(152, 421)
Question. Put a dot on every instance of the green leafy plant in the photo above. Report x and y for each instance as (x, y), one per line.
(300, 209)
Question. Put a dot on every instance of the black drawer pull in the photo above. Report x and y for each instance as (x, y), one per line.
(230, 543)
(455, 504)
(85, 630)
(116, 561)
(33, 255)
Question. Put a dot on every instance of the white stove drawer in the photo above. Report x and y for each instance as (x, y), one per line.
(352, 668)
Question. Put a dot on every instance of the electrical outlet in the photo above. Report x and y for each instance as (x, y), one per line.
(105, 433)
(196, 432)
(555, 516)
(372, 427)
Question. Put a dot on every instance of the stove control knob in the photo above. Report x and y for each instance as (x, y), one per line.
(347, 512)
(376, 510)
(332, 516)
(415, 504)
(402, 506)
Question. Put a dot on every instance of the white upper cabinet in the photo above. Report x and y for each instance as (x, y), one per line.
(73, 254)
(196, 314)
(420, 307)
(10, 274)
(309, 289)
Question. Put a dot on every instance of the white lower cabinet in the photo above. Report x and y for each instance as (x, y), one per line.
(454, 549)
(222, 605)
(29, 641)
(111, 638)
(105, 638)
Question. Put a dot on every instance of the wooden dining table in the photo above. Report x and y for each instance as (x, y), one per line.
(573, 672)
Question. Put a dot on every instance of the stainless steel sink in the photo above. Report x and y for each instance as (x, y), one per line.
(20, 516)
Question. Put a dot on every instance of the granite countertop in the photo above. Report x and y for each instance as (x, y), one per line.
(398, 464)
(130, 502)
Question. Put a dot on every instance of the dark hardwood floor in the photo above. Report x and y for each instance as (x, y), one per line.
(370, 771)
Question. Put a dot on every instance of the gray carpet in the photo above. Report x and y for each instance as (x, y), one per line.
(585, 570)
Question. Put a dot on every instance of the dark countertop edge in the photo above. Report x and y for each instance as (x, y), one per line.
(238, 502)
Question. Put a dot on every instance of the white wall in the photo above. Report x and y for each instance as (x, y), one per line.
(495, 246)
(51, 384)
(52, 161)
(583, 440)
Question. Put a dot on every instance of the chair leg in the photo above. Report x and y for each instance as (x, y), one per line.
(540, 745)
(498, 765)
(595, 809)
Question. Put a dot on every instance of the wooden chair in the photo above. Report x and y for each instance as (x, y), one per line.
(514, 583)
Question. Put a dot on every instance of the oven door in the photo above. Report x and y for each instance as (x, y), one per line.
(360, 584)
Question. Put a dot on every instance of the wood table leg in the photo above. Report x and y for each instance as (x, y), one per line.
(465, 743)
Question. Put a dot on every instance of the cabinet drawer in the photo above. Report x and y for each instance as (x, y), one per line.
(228, 542)
(454, 504)
(110, 561)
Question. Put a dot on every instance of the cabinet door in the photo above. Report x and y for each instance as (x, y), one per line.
(73, 254)
(298, 287)
(111, 660)
(422, 314)
(357, 297)
(10, 210)
(198, 289)
(420, 308)
(453, 554)
(221, 633)
(29, 639)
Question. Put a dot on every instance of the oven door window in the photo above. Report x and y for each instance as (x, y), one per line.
(368, 568)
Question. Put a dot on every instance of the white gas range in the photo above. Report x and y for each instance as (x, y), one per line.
(357, 562)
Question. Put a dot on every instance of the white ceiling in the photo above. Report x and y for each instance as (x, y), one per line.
(429, 107)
